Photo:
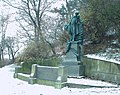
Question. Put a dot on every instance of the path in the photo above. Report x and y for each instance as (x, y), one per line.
(11, 86)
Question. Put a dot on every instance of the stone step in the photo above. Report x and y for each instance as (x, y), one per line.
(88, 83)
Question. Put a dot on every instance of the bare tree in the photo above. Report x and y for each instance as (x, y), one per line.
(32, 12)
(12, 46)
(4, 19)
(30, 17)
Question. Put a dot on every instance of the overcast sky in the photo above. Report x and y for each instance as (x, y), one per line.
(13, 26)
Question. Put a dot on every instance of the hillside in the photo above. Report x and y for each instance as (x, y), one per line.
(109, 48)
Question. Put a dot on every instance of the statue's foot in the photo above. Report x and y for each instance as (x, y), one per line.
(64, 53)
(73, 40)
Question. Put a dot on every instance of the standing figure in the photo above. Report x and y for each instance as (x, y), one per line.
(75, 30)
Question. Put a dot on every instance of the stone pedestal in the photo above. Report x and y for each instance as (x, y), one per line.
(73, 60)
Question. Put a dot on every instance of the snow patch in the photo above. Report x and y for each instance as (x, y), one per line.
(11, 86)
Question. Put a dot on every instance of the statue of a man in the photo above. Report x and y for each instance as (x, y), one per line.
(75, 28)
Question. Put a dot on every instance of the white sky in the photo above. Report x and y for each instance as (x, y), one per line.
(13, 27)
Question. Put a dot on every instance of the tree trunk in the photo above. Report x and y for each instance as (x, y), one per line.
(13, 57)
(2, 57)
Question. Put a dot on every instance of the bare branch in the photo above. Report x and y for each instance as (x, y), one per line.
(10, 4)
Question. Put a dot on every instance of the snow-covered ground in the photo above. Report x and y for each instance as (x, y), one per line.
(110, 54)
(97, 56)
(11, 86)
(89, 82)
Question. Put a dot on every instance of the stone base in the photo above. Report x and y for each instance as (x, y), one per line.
(82, 70)
(73, 61)
(75, 70)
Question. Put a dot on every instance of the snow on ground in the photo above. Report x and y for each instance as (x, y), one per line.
(11, 86)
(90, 82)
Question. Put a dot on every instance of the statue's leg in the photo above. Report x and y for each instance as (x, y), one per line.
(68, 47)
(74, 32)
(73, 37)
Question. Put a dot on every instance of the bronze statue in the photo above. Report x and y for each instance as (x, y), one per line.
(75, 30)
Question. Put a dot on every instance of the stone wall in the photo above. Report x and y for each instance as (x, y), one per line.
(102, 70)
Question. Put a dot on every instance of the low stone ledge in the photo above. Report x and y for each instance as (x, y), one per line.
(23, 77)
(45, 75)
(18, 69)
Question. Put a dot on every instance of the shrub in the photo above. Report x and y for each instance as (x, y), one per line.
(26, 66)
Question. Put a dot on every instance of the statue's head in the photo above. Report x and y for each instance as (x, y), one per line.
(76, 13)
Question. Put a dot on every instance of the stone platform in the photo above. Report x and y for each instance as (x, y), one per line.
(73, 61)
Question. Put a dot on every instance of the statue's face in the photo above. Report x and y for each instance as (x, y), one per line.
(77, 13)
